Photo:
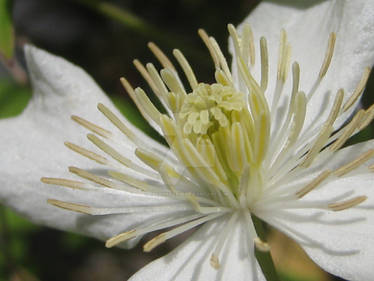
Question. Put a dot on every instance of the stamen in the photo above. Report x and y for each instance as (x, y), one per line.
(284, 57)
(149, 228)
(64, 182)
(143, 71)
(147, 105)
(204, 210)
(214, 259)
(111, 211)
(355, 163)
(261, 245)
(109, 150)
(173, 82)
(118, 123)
(187, 69)
(359, 89)
(214, 262)
(313, 184)
(221, 78)
(163, 59)
(71, 206)
(139, 184)
(348, 131)
(328, 55)
(295, 81)
(221, 58)
(347, 204)
(204, 36)
(165, 176)
(325, 64)
(264, 63)
(327, 128)
(130, 90)
(248, 46)
(87, 153)
(162, 92)
(155, 162)
(94, 178)
(92, 127)
(120, 238)
(369, 115)
(161, 238)
(299, 117)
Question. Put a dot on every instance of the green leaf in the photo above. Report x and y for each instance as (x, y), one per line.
(13, 98)
(6, 30)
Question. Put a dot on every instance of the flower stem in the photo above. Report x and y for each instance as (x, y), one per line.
(264, 258)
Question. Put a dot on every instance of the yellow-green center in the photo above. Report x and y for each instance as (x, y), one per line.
(209, 107)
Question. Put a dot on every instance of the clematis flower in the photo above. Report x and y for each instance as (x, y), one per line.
(265, 139)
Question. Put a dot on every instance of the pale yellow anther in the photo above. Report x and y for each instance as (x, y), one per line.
(247, 45)
(221, 78)
(328, 55)
(156, 78)
(64, 182)
(313, 184)
(139, 184)
(355, 163)
(326, 130)
(187, 69)
(148, 111)
(204, 36)
(261, 245)
(120, 238)
(214, 262)
(348, 130)
(359, 89)
(87, 153)
(221, 58)
(92, 127)
(117, 122)
(71, 206)
(173, 82)
(284, 57)
(298, 119)
(153, 243)
(144, 72)
(155, 162)
(369, 115)
(147, 105)
(264, 63)
(109, 150)
(92, 177)
(163, 59)
(340, 206)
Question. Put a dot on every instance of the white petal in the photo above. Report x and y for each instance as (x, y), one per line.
(343, 241)
(190, 261)
(33, 147)
(308, 25)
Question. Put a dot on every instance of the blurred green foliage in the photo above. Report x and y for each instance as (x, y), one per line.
(13, 98)
(6, 29)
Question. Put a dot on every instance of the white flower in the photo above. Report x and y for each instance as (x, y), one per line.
(264, 139)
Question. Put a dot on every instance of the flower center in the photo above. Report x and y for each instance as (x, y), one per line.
(209, 107)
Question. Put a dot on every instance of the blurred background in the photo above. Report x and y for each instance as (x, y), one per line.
(103, 37)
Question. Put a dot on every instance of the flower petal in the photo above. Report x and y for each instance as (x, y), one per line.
(34, 144)
(308, 25)
(190, 260)
(341, 241)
